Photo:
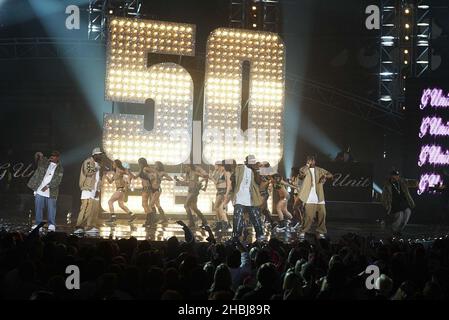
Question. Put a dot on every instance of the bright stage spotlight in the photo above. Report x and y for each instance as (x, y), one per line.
(297, 31)
(291, 120)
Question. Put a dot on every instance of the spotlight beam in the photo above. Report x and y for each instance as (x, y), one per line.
(89, 73)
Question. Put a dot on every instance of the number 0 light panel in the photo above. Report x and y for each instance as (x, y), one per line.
(227, 49)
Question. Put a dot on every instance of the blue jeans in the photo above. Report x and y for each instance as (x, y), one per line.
(40, 203)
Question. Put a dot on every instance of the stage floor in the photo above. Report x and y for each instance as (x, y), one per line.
(122, 229)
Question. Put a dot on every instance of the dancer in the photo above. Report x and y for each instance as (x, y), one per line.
(298, 206)
(120, 188)
(264, 189)
(281, 206)
(222, 180)
(247, 197)
(90, 182)
(156, 177)
(230, 165)
(398, 202)
(312, 194)
(144, 175)
(192, 180)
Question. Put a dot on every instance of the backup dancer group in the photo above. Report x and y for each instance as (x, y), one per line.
(247, 186)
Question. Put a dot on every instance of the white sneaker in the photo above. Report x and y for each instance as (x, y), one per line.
(78, 231)
(93, 232)
(302, 236)
(51, 228)
(322, 236)
(33, 227)
(297, 226)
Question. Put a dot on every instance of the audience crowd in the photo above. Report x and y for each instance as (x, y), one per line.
(33, 267)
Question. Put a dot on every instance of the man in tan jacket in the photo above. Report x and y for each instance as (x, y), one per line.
(247, 198)
(312, 195)
(89, 183)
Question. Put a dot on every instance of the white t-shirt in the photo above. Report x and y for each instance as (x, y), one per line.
(243, 196)
(313, 196)
(47, 179)
(90, 194)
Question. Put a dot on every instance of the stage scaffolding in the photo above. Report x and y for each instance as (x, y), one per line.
(255, 15)
(101, 10)
(405, 32)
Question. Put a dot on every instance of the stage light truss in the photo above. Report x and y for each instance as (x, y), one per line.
(237, 14)
(97, 19)
(404, 48)
(271, 16)
(255, 15)
(101, 10)
(389, 55)
(360, 107)
(50, 48)
(423, 22)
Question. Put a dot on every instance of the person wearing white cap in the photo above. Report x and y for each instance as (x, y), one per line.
(89, 183)
(247, 197)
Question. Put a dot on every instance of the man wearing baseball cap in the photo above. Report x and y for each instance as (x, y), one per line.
(89, 183)
(397, 201)
(247, 198)
(45, 184)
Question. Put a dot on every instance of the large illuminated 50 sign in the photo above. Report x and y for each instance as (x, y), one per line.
(128, 79)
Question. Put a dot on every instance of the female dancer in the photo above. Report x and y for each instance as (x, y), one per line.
(264, 192)
(144, 175)
(222, 180)
(120, 188)
(229, 167)
(298, 212)
(156, 177)
(192, 180)
(281, 207)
